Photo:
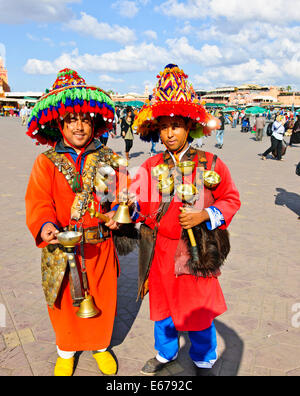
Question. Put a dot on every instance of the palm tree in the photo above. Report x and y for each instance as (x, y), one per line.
(288, 88)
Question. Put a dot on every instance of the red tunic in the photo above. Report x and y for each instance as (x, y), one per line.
(192, 302)
(49, 198)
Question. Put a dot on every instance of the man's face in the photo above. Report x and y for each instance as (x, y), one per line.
(78, 129)
(173, 132)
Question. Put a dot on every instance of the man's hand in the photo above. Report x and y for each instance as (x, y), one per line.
(111, 224)
(49, 233)
(190, 217)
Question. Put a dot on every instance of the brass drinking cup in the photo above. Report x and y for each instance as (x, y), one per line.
(100, 184)
(211, 179)
(69, 239)
(166, 186)
(161, 172)
(186, 168)
(186, 192)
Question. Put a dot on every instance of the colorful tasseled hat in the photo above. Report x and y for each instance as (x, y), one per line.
(69, 94)
(173, 96)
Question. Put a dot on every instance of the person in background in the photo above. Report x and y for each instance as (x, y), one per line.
(260, 125)
(276, 138)
(127, 132)
(295, 136)
(220, 132)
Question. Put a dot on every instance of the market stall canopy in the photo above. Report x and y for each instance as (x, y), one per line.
(215, 105)
(255, 110)
(133, 103)
(229, 109)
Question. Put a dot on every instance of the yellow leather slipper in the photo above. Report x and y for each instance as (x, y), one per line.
(106, 363)
(64, 367)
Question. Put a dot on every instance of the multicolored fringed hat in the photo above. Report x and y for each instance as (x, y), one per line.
(69, 94)
(173, 96)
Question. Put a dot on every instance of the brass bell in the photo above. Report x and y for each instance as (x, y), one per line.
(87, 308)
(122, 215)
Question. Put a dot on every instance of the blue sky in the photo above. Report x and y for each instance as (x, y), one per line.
(123, 44)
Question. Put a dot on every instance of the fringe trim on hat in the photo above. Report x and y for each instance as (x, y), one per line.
(146, 123)
(53, 106)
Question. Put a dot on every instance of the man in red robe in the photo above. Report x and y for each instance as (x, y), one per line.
(61, 196)
(182, 297)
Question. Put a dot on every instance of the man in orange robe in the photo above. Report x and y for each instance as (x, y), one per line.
(58, 178)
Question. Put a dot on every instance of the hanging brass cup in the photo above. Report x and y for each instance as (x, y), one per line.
(166, 186)
(161, 171)
(106, 171)
(100, 184)
(211, 179)
(118, 161)
(186, 192)
(186, 168)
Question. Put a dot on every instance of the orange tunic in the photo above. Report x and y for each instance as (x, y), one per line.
(49, 199)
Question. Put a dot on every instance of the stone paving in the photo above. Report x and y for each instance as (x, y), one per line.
(258, 335)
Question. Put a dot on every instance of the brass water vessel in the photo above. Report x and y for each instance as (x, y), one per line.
(69, 239)
(161, 172)
(211, 179)
(186, 168)
(166, 186)
(100, 184)
(118, 161)
(186, 192)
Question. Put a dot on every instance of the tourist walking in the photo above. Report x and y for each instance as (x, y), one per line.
(220, 132)
(278, 132)
(127, 132)
(260, 125)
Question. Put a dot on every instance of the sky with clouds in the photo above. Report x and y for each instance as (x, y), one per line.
(123, 44)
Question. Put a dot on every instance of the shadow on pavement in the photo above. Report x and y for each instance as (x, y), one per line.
(127, 306)
(228, 363)
(289, 199)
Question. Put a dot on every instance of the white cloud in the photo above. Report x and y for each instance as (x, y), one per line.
(90, 26)
(151, 34)
(292, 68)
(251, 71)
(278, 11)
(183, 51)
(127, 60)
(129, 8)
(21, 11)
(47, 40)
(109, 79)
(132, 58)
(200, 81)
(126, 8)
(190, 9)
(67, 43)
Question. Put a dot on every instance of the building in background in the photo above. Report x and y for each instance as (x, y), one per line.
(252, 95)
(4, 87)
